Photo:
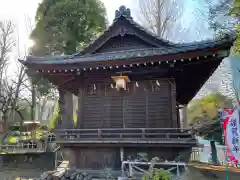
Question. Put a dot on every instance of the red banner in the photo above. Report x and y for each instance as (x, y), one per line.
(225, 120)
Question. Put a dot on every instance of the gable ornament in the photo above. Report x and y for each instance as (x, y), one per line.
(123, 11)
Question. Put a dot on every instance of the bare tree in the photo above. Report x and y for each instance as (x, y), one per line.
(7, 42)
(38, 101)
(17, 92)
(159, 16)
(13, 94)
(16, 96)
(219, 17)
(216, 14)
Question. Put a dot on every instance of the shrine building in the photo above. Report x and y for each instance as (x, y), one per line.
(130, 86)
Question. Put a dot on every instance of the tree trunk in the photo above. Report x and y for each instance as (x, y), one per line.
(65, 101)
(68, 121)
(5, 120)
(21, 122)
(33, 105)
(61, 102)
(159, 29)
(214, 152)
(65, 110)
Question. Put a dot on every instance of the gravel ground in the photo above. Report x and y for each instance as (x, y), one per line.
(190, 174)
(12, 174)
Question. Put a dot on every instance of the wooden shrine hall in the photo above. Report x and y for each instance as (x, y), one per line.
(131, 86)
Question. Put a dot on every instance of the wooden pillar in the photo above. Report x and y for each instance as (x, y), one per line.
(178, 116)
(67, 119)
(184, 118)
(173, 103)
(80, 119)
(122, 154)
(146, 107)
(72, 157)
(66, 110)
(33, 107)
(81, 94)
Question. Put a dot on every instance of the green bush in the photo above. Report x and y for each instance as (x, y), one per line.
(44, 128)
(158, 174)
(16, 133)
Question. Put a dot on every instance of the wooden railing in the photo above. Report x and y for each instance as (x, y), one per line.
(144, 134)
(21, 148)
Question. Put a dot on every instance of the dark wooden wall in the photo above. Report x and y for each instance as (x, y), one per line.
(146, 106)
(98, 158)
(109, 157)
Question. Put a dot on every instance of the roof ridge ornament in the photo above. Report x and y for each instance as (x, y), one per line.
(122, 11)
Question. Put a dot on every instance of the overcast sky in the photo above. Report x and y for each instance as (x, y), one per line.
(19, 11)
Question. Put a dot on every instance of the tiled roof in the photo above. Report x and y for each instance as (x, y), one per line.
(126, 54)
(123, 12)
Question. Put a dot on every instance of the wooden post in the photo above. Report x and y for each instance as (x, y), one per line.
(68, 115)
(130, 170)
(81, 94)
(184, 116)
(66, 109)
(72, 153)
(80, 119)
(122, 154)
(178, 116)
(173, 103)
(33, 105)
(56, 159)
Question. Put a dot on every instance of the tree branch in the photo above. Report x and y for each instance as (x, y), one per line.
(158, 15)
(7, 42)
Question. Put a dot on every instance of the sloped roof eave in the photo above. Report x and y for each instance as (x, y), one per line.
(127, 54)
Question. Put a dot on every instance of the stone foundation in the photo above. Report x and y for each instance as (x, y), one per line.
(67, 175)
(110, 157)
(44, 161)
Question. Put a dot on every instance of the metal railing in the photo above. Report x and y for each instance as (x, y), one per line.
(196, 152)
(125, 133)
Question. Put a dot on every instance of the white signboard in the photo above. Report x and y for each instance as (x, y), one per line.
(233, 134)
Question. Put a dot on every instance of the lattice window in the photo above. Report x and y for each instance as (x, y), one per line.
(30, 145)
(51, 138)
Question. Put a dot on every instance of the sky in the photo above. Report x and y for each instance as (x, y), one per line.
(22, 13)
(196, 15)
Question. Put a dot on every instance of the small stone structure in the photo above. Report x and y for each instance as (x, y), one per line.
(65, 175)
(44, 161)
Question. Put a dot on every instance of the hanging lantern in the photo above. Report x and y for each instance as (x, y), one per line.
(121, 82)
